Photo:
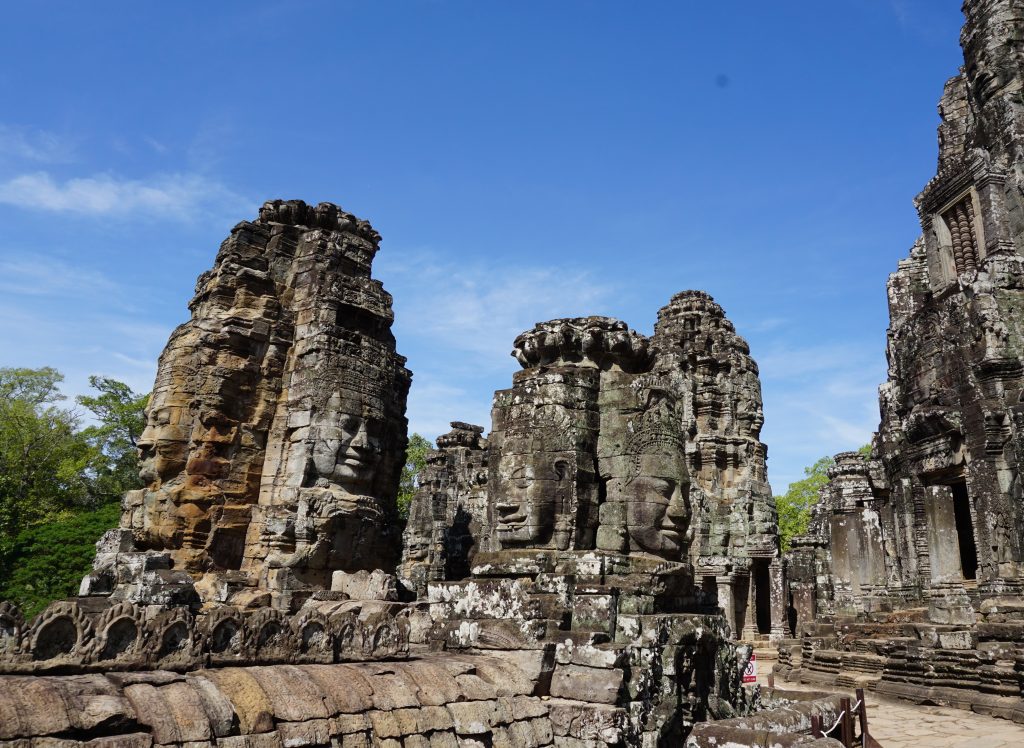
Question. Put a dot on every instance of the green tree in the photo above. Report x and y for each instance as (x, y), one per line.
(794, 506)
(415, 460)
(60, 485)
(43, 458)
(48, 560)
(121, 419)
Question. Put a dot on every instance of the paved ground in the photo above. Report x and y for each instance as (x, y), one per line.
(896, 724)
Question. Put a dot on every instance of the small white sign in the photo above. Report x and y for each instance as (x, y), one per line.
(750, 672)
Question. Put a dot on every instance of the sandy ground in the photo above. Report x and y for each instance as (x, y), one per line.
(896, 724)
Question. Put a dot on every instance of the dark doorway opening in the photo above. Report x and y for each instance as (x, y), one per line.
(709, 585)
(762, 595)
(965, 530)
(792, 615)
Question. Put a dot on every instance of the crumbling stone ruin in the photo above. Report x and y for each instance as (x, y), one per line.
(276, 425)
(576, 578)
(615, 442)
(910, 578)
(446, 517)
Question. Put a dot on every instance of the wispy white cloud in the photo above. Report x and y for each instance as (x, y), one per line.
(818, 400)
(480, 309)
(456, 323)
(163, 196)
(39, 275)
(434, 404)
(35, 145)
(923, 17)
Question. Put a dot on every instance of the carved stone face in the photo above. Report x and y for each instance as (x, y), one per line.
(987, 80)
(163, 444)
(658, 506)
(526, 510)
(994, 67)
(346, 453)
(417, 548)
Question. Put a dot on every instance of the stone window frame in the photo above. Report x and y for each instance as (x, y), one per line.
(944, 236)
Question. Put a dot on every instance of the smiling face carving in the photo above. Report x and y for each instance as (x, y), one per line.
(658, 505)
(163, 444)
(526, 509)
(346, 453)
(652, 484)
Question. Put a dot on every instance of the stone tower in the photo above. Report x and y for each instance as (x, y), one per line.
(614, 442)
(277, 422)
(926, 530)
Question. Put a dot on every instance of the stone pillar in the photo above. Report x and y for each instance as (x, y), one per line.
(779, 624)
(727, 601)
(749, 630)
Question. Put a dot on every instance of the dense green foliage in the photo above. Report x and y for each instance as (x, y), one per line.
(415, 459)
(43, 459)
(49, 559)
(120, 420)
(60, 484)
(795, 505)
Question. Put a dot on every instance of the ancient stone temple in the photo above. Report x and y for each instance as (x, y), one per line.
(445, 523)
(585, 543)
(276, 425)
(615, 442)
(572, 580)
(914, 554)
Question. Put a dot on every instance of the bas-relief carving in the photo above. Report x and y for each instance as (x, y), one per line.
(276, 426)
(656, 493)
(603, 404)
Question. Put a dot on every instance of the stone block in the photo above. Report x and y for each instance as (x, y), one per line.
(248, 699)
(365, 585)
(599, 686)
(472, 717)
(392, 687)
(345, 724)
(313, 732)
(349, 691)
(434, 718)
(358, 740)
(174, 713)
(260, 740)
(437, 686)
(443, 740)
(219, 710)
(582, 721)
(295, 695)
(384, 724)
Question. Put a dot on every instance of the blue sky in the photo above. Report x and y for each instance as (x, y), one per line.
(523, 161)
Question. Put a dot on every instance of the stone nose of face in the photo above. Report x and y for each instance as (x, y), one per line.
(146, 440)
(360, 439)
(677, 509)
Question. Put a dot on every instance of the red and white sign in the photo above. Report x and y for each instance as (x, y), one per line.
(750, 672)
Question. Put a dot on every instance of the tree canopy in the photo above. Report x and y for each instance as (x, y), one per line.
(415, 460)
(60, 482)
(120, 419)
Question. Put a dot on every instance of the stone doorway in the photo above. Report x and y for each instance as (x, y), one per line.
(964, 530)
(761, 579)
